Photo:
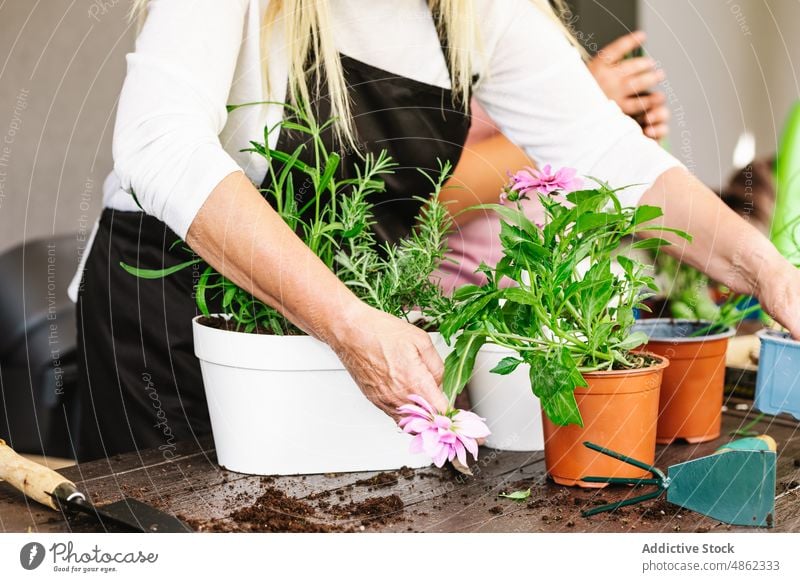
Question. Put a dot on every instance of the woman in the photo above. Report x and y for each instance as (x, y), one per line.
(394, 79)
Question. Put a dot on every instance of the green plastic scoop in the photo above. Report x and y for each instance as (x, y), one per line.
(735, 485)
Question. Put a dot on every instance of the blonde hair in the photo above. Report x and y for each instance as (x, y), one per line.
(307, 24)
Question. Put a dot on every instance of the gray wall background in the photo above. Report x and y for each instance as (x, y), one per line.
(731, 65)
(62, 63)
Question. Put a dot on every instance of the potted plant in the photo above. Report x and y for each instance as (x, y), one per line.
(690, 405)
(512, 410)
(569, 319)
(258, 368)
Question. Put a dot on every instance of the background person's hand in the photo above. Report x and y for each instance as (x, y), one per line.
(389, 359)
(630, 82)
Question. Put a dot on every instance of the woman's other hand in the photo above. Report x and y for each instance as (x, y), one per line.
(388, 358)
(629, 83)
(778, 291)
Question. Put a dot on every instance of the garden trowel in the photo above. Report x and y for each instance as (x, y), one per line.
(735, 484)
(56, 492)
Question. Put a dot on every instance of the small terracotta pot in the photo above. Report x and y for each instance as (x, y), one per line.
(619, 410)
(690, 406)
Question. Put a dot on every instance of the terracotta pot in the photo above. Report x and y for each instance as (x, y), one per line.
(690, 406)
(619, 410)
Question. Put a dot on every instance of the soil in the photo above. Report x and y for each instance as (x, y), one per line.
(639, 361)
(229, 325)
(373, 510)
(379, 480)
(274, 511)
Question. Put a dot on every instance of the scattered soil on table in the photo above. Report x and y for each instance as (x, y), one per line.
(496, 510)
(406, 472)
(373, 510)
(380, 480)
(273, 511)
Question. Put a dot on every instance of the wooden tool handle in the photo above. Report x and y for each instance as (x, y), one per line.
(34, 480)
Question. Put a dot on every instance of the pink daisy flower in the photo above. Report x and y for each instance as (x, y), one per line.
(443, 437)
(545, 181)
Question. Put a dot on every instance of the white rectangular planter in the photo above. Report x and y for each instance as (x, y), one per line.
(511, 410)
(285, 405)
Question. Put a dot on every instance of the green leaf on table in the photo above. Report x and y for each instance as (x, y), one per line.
(520, 495)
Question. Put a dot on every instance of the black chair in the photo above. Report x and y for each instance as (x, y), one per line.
(38, 367)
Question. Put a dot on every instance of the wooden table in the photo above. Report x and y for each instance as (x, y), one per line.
(192, 486)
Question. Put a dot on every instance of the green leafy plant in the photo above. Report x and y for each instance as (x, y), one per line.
(689, 297)
(570, 311)
(336, 224)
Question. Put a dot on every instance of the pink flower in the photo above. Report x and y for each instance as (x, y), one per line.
(443, 437)
(545, 181)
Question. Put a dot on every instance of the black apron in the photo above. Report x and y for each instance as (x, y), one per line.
(140, 385)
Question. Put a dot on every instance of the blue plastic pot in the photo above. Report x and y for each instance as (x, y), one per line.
(778, 379)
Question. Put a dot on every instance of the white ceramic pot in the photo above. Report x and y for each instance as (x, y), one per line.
(512, 412)
(285, 405)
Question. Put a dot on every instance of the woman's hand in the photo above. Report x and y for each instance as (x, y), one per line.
(628, 82)
(388, 358)
(778, 291)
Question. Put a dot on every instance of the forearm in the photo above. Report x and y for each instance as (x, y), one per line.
(242, 237)
(724, 246)
(480, 175)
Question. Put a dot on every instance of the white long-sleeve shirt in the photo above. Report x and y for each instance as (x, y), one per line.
(174, 140)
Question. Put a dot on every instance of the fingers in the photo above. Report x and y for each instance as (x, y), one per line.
(616, 51)
(429, 389)
(637, 66)
(656, 132)
(643, 82)
(637, 104)
(431, 359)
(655, 122)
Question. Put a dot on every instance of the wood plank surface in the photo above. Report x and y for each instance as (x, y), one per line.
(192, 486)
